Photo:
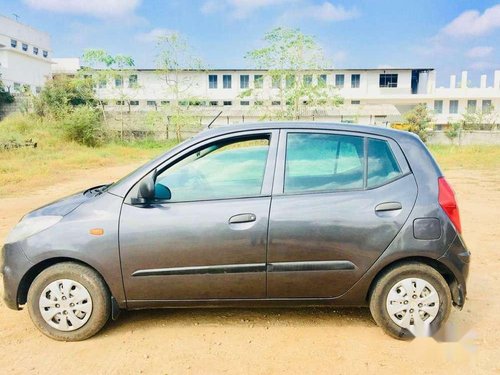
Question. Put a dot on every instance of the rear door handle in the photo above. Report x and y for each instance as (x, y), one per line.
(388, 206)
(242, 218)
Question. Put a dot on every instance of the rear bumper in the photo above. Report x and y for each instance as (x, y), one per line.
(457, 260)
(13, 265)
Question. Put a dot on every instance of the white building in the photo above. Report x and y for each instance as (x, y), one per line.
(371, 96)
(25, 56)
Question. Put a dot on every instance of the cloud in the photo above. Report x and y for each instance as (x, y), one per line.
(479, 51)
(473, 23)
(239, 9)
(96, 8)
(323, 12)
(482, 65)
(153, 35)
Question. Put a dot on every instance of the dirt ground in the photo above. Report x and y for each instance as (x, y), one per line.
(265, 341)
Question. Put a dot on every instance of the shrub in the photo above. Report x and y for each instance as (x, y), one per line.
(84, 126)
(60, 96)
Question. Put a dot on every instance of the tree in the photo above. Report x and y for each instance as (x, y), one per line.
(419, 121)
(101, 67)
(174, 61)
(5, 96)
(296, 65)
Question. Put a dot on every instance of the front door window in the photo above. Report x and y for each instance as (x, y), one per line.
(219, 171)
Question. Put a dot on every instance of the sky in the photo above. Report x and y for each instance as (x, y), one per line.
(449, 36)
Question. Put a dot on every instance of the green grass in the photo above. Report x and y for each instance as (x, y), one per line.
(55, 157)
(477, 157)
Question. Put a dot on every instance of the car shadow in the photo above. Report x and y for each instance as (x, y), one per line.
(250, 317)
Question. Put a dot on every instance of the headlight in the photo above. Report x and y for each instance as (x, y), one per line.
(30, 226)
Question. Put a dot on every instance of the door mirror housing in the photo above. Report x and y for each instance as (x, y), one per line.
(147, 188)
(151, 192)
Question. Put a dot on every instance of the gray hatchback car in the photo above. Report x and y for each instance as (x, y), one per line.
(270, 214)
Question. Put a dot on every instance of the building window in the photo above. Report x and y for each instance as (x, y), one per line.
(486, 106)
(228, 102)
(244, 102)
(453, 106)
(132, 80)
(355, 102)
(17, 86)
(290, 81)
(165, 102)
(275, 102)
(226, 81)
(45, 54)
(38, 89)
(308, 80)
(102, 83)
(276, 83)
(258, 81)
(322, 80)
(244, 81)
(35, 50)
(438, 106)
(134, 102)
(118, 82)
(471, 106)
(120, 102)
(339, 80)
(213, 103)
(25, 47)
(388, 80)
(151, 103)
(355, 80)
(212, 81)
(13, 43)
(258, 102)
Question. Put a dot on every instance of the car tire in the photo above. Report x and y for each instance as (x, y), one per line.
(69, 302)
(398, 296)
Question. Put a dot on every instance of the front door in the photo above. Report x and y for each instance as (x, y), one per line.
(209, 240)
(339, 200)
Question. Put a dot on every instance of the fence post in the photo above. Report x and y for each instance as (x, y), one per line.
(166, 127)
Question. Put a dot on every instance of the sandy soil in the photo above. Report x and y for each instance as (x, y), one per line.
(272, 341)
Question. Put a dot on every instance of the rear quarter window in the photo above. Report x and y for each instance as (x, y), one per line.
(382, 165)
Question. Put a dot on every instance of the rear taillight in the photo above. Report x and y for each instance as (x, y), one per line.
(448, 203)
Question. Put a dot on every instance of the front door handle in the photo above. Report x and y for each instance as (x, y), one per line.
(242, 218)
(388, 206)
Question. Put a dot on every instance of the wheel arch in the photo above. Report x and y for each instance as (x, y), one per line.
(443, 270)
(33, 272)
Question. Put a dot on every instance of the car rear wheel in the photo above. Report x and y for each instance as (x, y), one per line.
(69, 302)
(410, 300)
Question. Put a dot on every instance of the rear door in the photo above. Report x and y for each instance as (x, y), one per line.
(339, 199)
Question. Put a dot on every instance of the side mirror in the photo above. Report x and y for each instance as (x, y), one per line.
(147, 188)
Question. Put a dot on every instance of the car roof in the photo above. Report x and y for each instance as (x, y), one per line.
(369, 129)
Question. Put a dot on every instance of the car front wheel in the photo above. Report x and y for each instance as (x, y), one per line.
(69, 302)
(410, 300)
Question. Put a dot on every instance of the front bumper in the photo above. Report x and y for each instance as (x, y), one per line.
(457, 259)
(13, 265)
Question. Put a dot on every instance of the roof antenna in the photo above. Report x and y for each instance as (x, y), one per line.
(16, 16)
(215, 118)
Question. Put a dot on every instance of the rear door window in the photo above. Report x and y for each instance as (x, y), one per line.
(323, 162)
(382, 165)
